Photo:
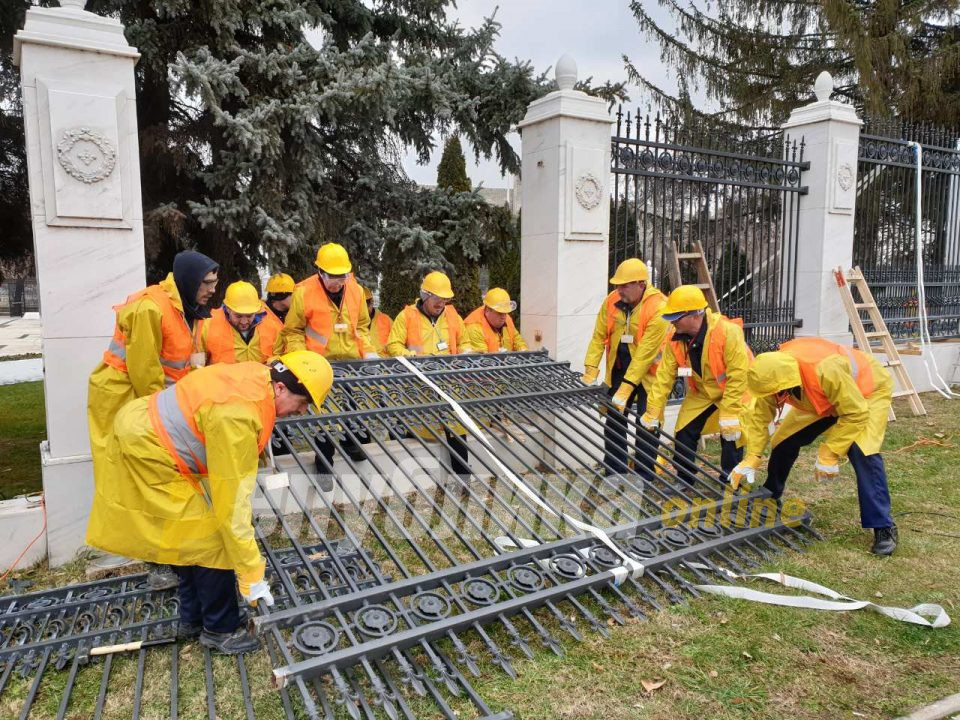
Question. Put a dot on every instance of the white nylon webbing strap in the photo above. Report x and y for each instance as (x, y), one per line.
(634, 568)
(926, 614)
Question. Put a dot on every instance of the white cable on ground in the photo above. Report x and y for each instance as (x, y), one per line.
(926, 614)
(631, 566)
(925, 340)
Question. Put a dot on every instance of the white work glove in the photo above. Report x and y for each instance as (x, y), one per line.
(259, 591)
(730, 429)
(649, 422)
(371, 356)
(745, 471)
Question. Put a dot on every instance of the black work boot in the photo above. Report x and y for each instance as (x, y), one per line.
(188, 631)
(235, 643)
(161, 577)
(884, 540)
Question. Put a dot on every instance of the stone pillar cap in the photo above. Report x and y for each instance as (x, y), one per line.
(73, 28)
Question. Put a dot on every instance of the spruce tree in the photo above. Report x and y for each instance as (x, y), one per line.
(465, 274)
(757, 61)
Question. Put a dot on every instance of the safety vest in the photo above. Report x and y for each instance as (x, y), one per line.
(381, 326)
(491, 336)
(810, 352)
(177, 341)
(320, 320)
(649, 307)
(412, 315)
(714, 352)
(172, 411)
(221, 336)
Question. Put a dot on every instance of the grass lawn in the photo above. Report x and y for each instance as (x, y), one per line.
(716, 658)
(23, 425)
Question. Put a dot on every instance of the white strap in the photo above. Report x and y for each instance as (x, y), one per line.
(926, 614)
(635, 568)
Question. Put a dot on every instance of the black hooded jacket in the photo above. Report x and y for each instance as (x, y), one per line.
(189, 269)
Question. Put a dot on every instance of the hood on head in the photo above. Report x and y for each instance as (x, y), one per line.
(771, 373)
(189, 269)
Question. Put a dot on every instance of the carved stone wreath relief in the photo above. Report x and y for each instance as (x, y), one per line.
(86, 155)
(589, 191)
(845, 176)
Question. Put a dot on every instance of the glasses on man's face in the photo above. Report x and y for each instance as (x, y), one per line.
(332, 278)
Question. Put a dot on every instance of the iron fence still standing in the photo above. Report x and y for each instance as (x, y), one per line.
(735, 194)
(885, 226)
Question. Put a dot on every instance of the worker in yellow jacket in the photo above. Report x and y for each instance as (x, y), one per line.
(328, 313)
(630, 331)
(380, 324)
(154, 342)
(490, 328)
(181, 469)
(242, 330)
(280, 289)
(832, 389)
(431, 326)
(708, 350)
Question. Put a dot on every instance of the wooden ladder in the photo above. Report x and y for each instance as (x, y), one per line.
(854, 280)
(704, 281)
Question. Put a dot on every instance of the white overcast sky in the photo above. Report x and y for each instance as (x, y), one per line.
(597, 33)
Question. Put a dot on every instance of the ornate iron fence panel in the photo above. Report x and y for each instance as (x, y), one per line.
(411, 548)
(735, 195)
(885, 230)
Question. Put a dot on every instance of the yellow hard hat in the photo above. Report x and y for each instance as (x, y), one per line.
(686, 298)
(499, 300)
(242, 298)
(436, 283)
(630, 270)
(312, 370)
(281, 283)
(332, 258)
(367, 293)
(771, 373)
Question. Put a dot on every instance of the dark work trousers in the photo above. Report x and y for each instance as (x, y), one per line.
(208, 597)
(872, 490)
(349, 445)
(687, 440)
(615, 442)
(459, 455)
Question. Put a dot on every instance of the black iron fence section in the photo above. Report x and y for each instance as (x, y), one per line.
(18, 297)
(885, 245)
(734, 193)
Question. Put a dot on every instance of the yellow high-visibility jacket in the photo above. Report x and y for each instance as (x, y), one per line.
(147, 509)
(861, 420)
(647, 341)
(109, 389)
(432, 333)
(705, 390)
(341, 346)
(380, 326)
(484, 339)
(240, 351)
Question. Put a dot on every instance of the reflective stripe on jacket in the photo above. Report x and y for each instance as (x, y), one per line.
(172, 411)
(491, 337)
(176, 346)
(220, 339)
(320, 320)
(810, 352)
(714, 354)
(412, 321)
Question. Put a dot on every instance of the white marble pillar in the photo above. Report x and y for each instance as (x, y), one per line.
(565, 217)
(831, 131)
(80, 121)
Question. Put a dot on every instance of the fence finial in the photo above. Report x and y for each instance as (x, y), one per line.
(566, 72)
(823, 87)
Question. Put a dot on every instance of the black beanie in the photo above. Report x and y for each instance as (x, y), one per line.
(189, 269)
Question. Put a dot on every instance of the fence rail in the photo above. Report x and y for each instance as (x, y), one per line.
(16, 298)
(737, 195)
(885, 227)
